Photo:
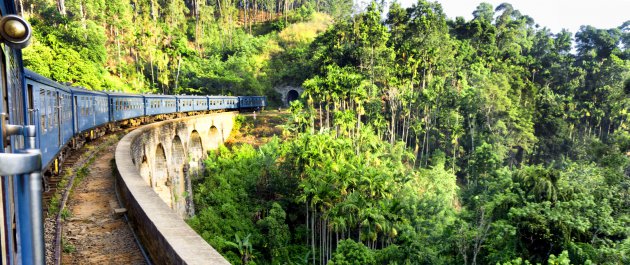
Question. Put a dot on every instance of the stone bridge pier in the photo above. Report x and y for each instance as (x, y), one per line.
(171, 153)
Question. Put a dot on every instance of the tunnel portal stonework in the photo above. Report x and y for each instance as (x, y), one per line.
(287, 93)
(155, 164)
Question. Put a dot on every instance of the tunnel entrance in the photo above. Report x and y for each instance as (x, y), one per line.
(292, 95)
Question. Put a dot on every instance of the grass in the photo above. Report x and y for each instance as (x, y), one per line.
(81, 172)
(305, 32)
(67, 246)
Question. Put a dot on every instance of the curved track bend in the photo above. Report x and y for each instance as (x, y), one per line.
(91, 231)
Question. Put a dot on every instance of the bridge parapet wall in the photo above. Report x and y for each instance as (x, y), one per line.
(154, 165)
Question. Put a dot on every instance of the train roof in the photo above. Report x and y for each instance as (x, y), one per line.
(44, 80)
(159, 96)
(222, 96)
(82, 90)
(118, 94)
(190, 96)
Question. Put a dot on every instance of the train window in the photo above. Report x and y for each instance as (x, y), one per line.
(50, 106)
(42, 106)
(55, 102)
(66, 107)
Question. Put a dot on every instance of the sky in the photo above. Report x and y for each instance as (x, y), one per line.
(553, 14)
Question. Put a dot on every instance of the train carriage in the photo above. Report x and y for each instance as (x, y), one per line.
(201, 103)
(50, 105)
(89, 107)
(186, 103)
(21, 225)
(159, 104)
(222, 102)
(252, 102)
(125, 106)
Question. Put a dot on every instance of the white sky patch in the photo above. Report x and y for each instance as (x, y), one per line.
(553, 14)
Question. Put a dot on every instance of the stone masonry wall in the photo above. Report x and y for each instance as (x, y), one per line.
(153, 190)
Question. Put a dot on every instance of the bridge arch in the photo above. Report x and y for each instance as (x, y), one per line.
(178, 153)
(161, 181)
(215, 138)
(178, 179)
(195, 153)
(145, 170)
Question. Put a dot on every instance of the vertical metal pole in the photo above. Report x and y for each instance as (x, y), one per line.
(36, 210)
(24, 224)
(37, 224)
(30, 213)
(26, 166)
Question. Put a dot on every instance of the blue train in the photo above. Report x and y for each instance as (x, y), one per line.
(41, 120)
(64, 115)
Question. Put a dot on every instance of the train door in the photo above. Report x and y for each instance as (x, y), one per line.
(51, 96)
(77, 115)
(21, 230)
(10, 114)
(94, 108)
(7, 216)
(59, 111)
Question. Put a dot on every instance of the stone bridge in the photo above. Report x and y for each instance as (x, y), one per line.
(155, 164)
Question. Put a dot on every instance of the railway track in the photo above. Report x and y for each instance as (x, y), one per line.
(62, 220)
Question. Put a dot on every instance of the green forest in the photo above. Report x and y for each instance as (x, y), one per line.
(419, 139)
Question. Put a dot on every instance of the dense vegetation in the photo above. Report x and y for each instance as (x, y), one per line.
(173, 46)
(419, 139)
(423, 140)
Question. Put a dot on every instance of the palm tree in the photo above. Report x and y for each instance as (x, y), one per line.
(542, 183)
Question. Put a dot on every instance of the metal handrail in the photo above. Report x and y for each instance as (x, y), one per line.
(25, 166)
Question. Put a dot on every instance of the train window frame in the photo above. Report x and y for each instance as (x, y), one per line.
(42, 106)
(51, 109)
